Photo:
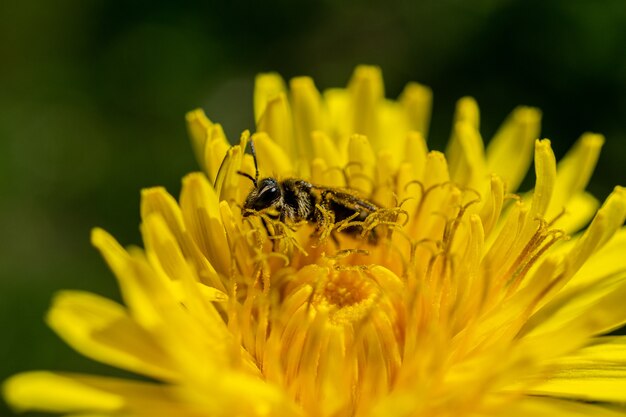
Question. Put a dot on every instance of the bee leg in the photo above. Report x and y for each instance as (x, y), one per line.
(265, 226)
(269, 233)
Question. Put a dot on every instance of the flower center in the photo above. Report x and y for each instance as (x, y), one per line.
(346, 294)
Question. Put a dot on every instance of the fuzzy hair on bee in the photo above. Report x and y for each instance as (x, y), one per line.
(294, 200)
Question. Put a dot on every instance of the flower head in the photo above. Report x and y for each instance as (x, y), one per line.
(448, 296)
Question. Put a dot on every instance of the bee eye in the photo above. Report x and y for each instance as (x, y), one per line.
(268, 194)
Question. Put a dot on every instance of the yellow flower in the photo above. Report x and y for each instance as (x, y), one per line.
(470, 301)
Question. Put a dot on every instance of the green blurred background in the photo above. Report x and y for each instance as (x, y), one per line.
(93, 96)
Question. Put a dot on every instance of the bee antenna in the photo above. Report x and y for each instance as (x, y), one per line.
(248, 176)
(256, 165)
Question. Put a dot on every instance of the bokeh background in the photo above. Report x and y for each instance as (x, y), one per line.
(93, 96)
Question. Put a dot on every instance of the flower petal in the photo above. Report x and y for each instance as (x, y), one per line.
(393, 121)
(588, 383)
(308, 114)
(208, 140)
(491, 210)
(228, 183)
(366, 94)
(277, 123)
(575, 316)
(579, 210)
(158, 200)
(102, 330)
(549, 407)
(605, 224)
(605, 263)
(45, 391)
(267, 86)
(272, 159)
(416, 153)
(325, 149)
(467, 111)
(575, 168)
(362, 161)
(465, 156)
(545, 171)
(198, 126)
(215, 151)
(200, 207)
(417, 101)
(510, 152)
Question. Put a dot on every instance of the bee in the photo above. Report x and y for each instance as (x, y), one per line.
(295, 200)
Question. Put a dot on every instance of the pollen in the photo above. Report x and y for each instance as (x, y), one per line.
(347, 294)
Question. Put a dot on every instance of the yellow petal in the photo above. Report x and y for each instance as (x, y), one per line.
(416, 153)
(549, 407)
(102, 330)
(366, 94)
(228, 183)
(207, 293)
(392, 121)
(114, 254)
(417, 102)
(580, 208)
(277, 123)
(237, 394)
(135, 297)
(604, 352)
(361, 160)
(198, 126)
(242, 252)
(475, 248)
(465, 156)
(158, 200)
(322, 175)
(576, 167)
(467, 111)
(436, 169)
(267, 87)
(545, 171)
(574, 316)
(510, 152)
(200, 208)
(338, 104)
(490, 212)
(574, 171)
(162, 248)
(45, 391)
(194, 337)
(588, 383)
(384, 194)
(272, 159)
(608, 220)
(308, 113)
(325, 148)
(215, 151)
(208, 140)
(606, 262)
(145, 292)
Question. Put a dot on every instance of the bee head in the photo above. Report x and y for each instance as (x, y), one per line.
(267, 193)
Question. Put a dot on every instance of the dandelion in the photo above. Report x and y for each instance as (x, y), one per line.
(472, 300)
